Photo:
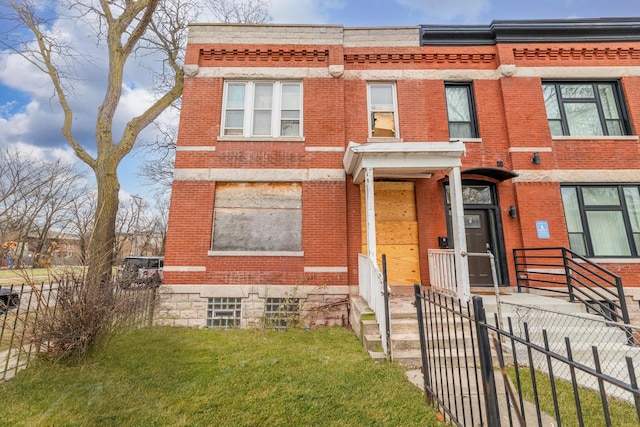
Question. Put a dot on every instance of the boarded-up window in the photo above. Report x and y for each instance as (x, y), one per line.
(257, 217)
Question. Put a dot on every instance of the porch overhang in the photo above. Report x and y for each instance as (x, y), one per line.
(401, 160)
(493, 173)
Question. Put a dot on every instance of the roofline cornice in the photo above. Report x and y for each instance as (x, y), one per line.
(533, 31)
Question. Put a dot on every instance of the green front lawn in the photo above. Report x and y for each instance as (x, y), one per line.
(18, 276)
(188, 377)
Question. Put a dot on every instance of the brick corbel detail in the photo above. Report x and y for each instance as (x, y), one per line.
(573, 53)
(271, 55)
(419, 58)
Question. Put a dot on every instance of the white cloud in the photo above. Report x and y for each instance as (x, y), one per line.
(33, 118)
(449, 10)
(19, 74)
(63, 154)
(303, 11)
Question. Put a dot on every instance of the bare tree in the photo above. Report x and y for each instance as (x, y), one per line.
(158, 171)
(35, 199)
(82, 209)
(130, 31)
(241, 11)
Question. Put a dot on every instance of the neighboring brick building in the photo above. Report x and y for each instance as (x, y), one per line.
(280, 125)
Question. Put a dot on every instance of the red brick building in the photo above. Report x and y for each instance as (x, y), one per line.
(293, 138)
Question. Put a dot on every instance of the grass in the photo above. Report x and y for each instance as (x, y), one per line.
(18, 276)
(187, 377)
(622, 414)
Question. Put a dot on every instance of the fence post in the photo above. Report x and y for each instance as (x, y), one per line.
(423, 346)
(486, 365)
(517, 267)
(567, 274)
(387, 314)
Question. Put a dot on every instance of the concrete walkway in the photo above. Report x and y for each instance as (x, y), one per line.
(471, 401)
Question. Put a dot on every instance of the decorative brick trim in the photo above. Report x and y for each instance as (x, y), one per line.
(420, 58)
(273, 55)
(573, 53)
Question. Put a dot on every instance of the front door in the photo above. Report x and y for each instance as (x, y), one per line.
(483, 232)
(396, 230)
(478, 235)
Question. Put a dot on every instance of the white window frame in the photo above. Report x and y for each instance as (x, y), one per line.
(248, 108)
(371, 110)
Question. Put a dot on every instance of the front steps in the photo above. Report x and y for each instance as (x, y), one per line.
(406, 340)
(404, 329)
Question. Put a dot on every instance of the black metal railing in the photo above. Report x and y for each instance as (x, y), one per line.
(478, 374)
(449, 357)
(562, 271)
(23, 309)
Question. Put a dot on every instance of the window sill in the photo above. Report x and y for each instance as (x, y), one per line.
(615, 260)
(257, 253)
(596, 138)
(470, 140)
(385, 139)
(260, 139)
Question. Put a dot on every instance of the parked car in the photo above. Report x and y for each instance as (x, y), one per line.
(8, 299)
(140, 270)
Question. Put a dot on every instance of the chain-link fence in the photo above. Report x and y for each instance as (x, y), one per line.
(594, 342)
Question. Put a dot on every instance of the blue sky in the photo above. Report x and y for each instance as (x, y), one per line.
(31, 119)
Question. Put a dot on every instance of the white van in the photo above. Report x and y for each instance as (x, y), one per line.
(142, 269)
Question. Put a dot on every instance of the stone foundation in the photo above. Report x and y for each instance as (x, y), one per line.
(187, 305)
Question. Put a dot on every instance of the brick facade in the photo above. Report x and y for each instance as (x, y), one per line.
(334, 65)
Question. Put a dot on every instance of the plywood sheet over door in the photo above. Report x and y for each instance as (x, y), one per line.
(396, 230)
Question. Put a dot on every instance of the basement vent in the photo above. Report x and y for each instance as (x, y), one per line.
(224, 312)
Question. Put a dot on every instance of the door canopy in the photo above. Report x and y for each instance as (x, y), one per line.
(401, 160)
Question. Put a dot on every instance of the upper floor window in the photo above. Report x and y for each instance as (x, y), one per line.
(262, 108)
(603, 220)
(460, 110)
(383, 109)
(585, 108)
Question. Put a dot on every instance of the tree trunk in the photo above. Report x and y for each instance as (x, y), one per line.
(101, 248)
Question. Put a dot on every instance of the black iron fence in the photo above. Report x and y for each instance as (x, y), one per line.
(476, 373)
(564, 272)
(26, 309)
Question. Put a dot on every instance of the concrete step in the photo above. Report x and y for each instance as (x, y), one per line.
(403, 326)
(359, 306)
(403, 313)
(369, 327)
(359, 313)
(405, 341)
(577, 335)
(411, 358)
(531, 300)
(377, 356)
(547, 319)
(372, 342)
(449, 358)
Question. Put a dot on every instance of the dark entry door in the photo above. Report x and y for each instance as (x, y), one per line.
(478, 235)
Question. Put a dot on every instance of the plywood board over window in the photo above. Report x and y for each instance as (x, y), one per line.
(256, 216)
(396, 230)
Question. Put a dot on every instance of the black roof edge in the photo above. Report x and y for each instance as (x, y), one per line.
(528, 31)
